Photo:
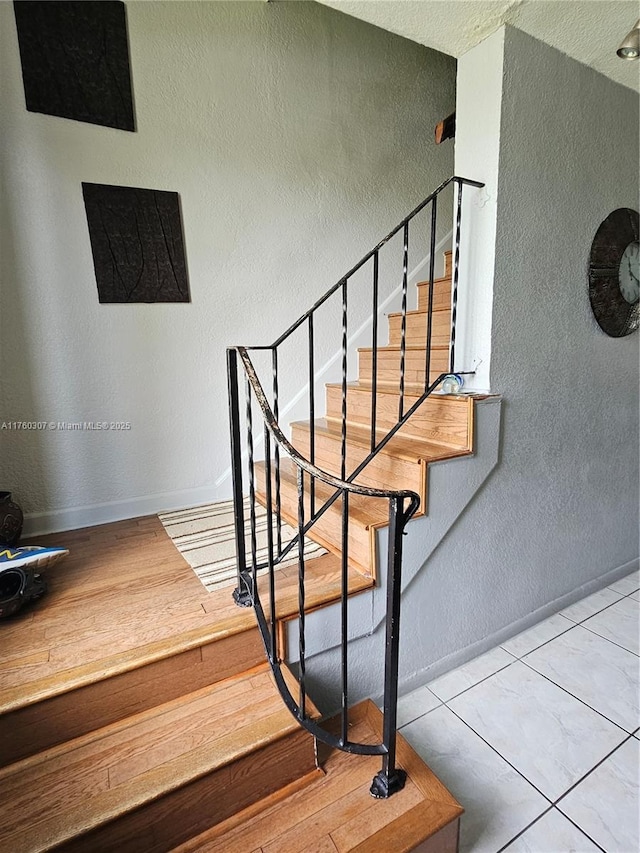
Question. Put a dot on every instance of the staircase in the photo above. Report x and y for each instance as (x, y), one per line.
(440, 428)
(116, 733)
(342, 477)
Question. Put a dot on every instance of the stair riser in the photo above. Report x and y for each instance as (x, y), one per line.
(33, 728)
(338, 814)
(327, 531)
(416, 330)
(447, 420)
(383, 472)
(414, 366)
(448, 263)
(163, 824)
(441, 295)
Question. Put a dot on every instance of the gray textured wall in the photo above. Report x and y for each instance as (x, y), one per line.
(560, 510)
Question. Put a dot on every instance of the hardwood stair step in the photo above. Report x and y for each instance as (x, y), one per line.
(446, 419)
(58, 708)
(33, 720)
(411, 449)
(402, 464)
(153, 780)
(365, 515)
(57, 684)
(414, 370)
(416, 328)
(448, 262)
(323, 584)
(441, 294)
(337, 813)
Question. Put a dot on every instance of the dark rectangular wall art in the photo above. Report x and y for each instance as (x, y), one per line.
(137, 244)
(75, 60)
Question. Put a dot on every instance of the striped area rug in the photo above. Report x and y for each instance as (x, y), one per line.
(205, 537)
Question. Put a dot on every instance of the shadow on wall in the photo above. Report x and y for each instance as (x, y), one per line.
(18, 391)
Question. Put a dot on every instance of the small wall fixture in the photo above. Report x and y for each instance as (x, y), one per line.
(630, 47)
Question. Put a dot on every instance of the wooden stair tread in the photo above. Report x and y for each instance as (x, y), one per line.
(323, 585)
(420, 312)
(445, 419)
(109, 591)
(389, 359)
(408, 348)
(364, 512)
(74, 648)
(402, 447)
(415, 327)
(73, 677)
(392, 389)
(56, 795)
(336, 812)
(444, 279)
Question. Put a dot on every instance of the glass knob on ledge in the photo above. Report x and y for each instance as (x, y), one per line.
(452, 383)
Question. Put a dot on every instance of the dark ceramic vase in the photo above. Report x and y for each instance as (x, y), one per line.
(10, 520)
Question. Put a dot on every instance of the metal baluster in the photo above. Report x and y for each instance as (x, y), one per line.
(344, 732)
(432, 262)
(391, 779)
(312, 416)
(374, 353)
(403, 326)
(272, 573)
(276, 449)
(454, 305)
(301, 596)
(252, 485)
(242, 593)
(343, 452)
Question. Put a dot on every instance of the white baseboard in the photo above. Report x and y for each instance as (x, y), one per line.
(72, 518)
(458, 658)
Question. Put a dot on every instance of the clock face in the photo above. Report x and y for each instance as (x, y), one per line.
(629, 273)
(614, 290)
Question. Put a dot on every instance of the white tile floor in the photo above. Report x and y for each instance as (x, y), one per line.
(538, 739)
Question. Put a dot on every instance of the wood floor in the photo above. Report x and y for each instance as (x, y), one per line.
(137, 713)
(180, 752)
(123, 595)
(126, 625)
(336, 813)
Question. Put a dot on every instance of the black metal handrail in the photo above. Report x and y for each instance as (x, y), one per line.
(247, 592)
(390, 778)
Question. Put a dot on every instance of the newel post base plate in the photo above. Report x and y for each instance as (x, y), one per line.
(386, 784)
(242, 595)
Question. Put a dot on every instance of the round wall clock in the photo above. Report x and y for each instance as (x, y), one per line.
(614, 273)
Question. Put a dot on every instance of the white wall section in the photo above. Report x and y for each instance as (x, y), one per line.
(478, 109)
(296, 136)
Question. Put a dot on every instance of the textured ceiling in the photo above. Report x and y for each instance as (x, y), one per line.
(588, 30)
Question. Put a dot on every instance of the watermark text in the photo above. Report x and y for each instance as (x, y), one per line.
(65, 426)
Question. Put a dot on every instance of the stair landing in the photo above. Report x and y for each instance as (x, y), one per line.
(336, 813)
(125, 605)
(156, 778)
(124, 720)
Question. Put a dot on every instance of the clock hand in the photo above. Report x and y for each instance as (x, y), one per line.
(631, 273)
